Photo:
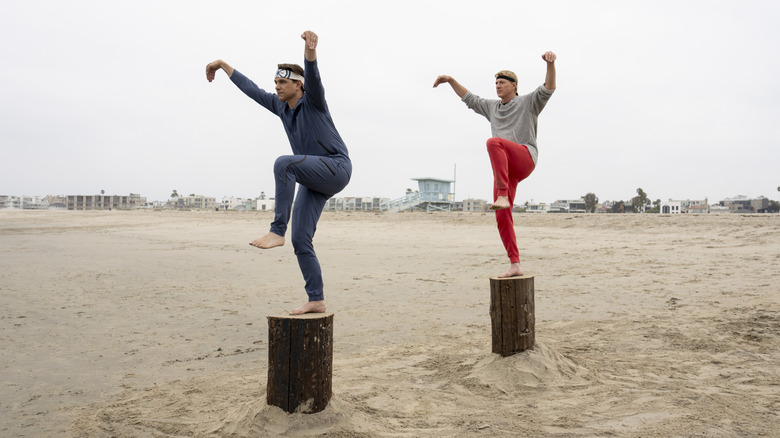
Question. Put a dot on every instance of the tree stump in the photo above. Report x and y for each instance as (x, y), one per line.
(300, 361)
(512, 314)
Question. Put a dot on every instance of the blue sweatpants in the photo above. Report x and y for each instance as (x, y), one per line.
(319, 178)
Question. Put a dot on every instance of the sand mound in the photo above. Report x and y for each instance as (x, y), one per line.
(407, 382)
(541, 366)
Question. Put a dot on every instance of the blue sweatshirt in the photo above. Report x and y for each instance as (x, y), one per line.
(309, 127)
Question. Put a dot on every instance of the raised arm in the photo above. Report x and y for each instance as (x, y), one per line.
(212, 68)
(310, 48)
(549, 79)
(459, 89)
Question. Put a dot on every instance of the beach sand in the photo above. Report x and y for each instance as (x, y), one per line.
(153, 324)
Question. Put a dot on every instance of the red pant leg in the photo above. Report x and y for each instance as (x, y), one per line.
(511, 164)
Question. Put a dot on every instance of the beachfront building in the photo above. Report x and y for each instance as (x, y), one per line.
(34, 203)
(687, 206)
(472, 204)
(671, 207)
(568, 206)
(101, 202)
(7, 201)
(245, 204)
(196, 202)
(718, 209)
(334, 204)
(262, 204)
(366, 203)
(743, 204)
(433, 194)
(57, 202)
(537, 207)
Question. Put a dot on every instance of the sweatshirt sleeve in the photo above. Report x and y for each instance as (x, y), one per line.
(477, 104)
(540, 96)
(268, 100)
(313, 84)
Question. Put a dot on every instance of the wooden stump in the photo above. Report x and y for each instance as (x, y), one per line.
(512, 314)
(300, 361)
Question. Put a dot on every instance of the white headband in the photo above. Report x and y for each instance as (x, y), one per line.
(288, 74)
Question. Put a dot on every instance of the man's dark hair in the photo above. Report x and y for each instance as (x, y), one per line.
(295, 68)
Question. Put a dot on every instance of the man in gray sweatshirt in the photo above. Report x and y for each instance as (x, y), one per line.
(512, 148)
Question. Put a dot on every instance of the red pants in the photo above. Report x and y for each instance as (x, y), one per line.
(511, 164)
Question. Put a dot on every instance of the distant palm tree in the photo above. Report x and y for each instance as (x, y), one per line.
(175, 194)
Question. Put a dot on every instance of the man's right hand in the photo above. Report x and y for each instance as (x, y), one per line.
(442, 79)
(213, 66)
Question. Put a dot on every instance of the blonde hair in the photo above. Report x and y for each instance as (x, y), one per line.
(510, 75)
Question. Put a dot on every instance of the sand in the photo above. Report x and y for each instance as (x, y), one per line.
(153, 324)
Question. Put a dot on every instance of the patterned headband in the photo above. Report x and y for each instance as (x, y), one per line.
(288, 74)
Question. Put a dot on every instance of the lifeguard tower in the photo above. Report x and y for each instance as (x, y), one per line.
(433, 194)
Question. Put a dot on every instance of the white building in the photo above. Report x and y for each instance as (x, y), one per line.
(7, 201)
(367, 203)
(671, 207)
(687, 206)
(568, 206)
(34, 203)
(265, 204)
(537, 207)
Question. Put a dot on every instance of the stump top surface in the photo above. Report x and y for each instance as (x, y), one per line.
(518, 277)
(304, 316)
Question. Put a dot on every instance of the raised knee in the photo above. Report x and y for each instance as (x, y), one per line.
(494, 142)
(280, 164)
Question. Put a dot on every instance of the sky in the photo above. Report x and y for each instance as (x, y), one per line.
(679, 98)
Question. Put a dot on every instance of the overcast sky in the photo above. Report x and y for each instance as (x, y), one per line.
(680, 98)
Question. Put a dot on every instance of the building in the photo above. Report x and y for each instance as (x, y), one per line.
(687, 206)
(245, 204)
(568, 206)
(537, 207)
(366, 203)
(34, 203)
(472, 204)
(232, 203)
(743, 204)
(265, 204)
(432, 194)
(196, 202)
(7, 201)
(57, 202)
(671, 207)
(101, 202)
(334, 204)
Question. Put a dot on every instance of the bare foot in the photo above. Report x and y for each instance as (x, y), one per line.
(310, 307)
(501, 203)
(514, 271)
(270, 240)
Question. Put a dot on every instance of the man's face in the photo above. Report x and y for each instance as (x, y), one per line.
(286, 89)
(505, 89)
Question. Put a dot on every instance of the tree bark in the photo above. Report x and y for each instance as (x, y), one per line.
(300, 362)
(512, 314)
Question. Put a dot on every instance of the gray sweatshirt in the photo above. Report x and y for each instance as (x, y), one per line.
(515, 121)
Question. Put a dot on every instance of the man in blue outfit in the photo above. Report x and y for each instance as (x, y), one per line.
(320, 164)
